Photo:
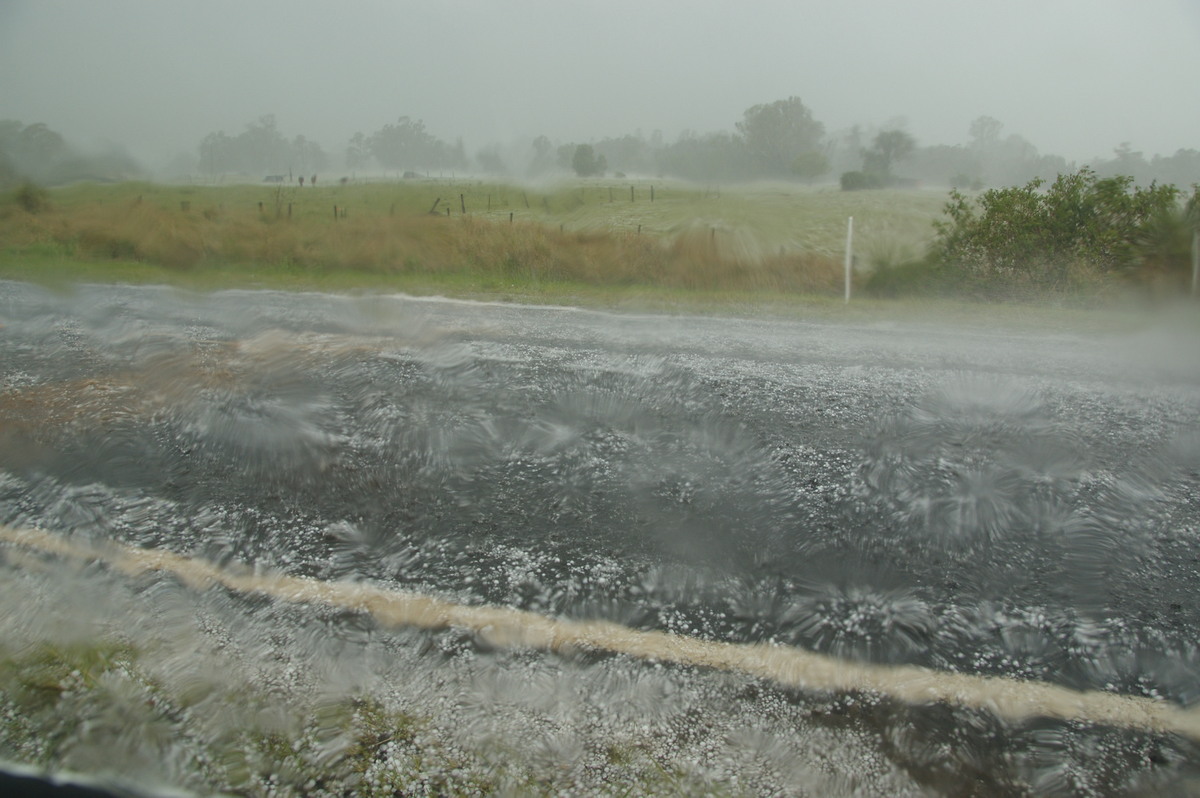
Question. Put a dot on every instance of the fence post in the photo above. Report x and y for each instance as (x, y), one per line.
(849, 253)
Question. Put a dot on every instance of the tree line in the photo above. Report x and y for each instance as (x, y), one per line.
(777, 140)
(37, 153)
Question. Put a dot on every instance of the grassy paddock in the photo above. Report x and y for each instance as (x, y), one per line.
(760, 249)
(595, 233)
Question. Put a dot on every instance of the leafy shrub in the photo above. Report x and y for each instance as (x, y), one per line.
(1024, 235)
(925, 276)
(586, 163)
(31, 197)
(857, 181)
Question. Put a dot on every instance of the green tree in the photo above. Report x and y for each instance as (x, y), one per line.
(543, 158)
(262, 148)
(358, 152)
(307, 156)
(889, 147)
(810, 165)
(408, 145)
(491, 161)
(985, 133)
(778, 133)
(586, 163)
(216, 153)
(714, 156)
(34, 151)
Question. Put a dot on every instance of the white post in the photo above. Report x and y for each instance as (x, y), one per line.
(849, 253)
(1195, 259)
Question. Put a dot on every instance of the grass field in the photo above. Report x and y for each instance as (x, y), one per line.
(764, 217)
(656, 246)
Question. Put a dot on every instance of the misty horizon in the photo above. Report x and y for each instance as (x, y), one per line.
(1074, 79)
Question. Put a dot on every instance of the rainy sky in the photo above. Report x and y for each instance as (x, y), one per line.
(1074, 77)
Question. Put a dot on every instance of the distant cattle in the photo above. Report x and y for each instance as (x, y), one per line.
(274, 178)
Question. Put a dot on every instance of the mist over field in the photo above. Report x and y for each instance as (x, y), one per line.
(1075, 80)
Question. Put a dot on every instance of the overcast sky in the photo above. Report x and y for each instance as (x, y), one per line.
(1074, 77)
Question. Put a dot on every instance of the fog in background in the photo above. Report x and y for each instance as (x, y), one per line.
(1074, 77)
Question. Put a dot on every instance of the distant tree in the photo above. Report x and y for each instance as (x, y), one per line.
(586, 163)
(358, 152)
(490, 161)
(35, 151)
(946, 165)
(859, 181)
(1182, 168)
(40, 154)
(42, 145)
(778, 133)
(263, 147)
(1125, 161)
(564, 155)
(810, 165)
(407, 145)
(629, 153)
(543, 159)
(985, 133)
(889, 146)
(713, 156)
(216, 153)
(258, 149)
(307, 155)
(1007, 160)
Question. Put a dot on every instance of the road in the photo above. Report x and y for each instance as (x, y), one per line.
(996, 503)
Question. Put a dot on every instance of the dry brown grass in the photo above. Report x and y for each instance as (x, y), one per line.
(517, 251)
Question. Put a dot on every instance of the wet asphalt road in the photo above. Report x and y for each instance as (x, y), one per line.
(998, 502)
